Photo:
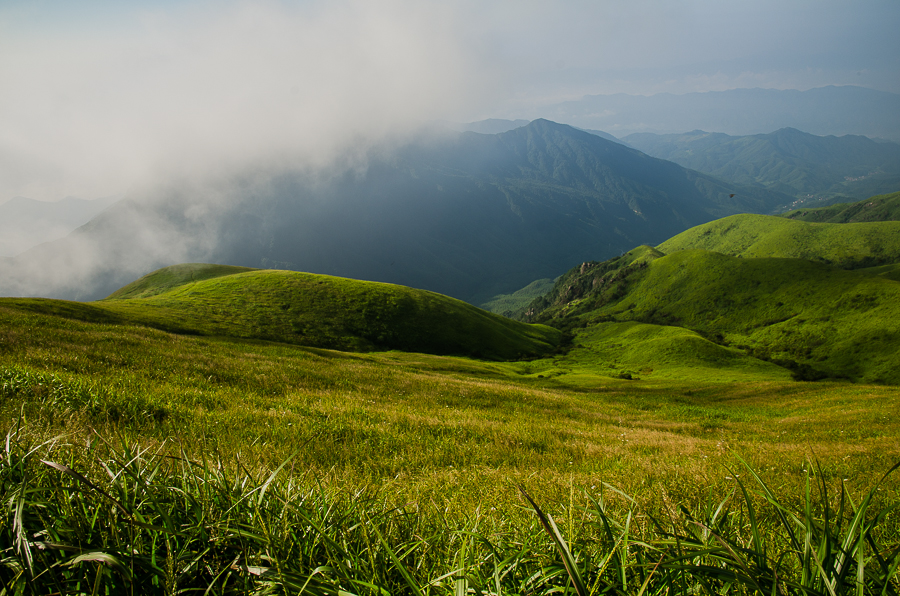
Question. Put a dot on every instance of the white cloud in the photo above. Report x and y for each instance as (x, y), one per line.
(92, 110)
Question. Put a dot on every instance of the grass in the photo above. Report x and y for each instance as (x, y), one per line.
(137, 460)
(633, 350)
(811, 319)
(147, 523)
(169, 278)
(308, 309)
(849, 246)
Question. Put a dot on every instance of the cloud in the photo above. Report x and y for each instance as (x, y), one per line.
(106, 104)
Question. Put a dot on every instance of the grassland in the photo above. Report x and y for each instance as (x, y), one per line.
(849, 246)
(307, 309)
(401, 470)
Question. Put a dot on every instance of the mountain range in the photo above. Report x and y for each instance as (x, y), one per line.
(810, 167)
(468, 215)
(820, 111)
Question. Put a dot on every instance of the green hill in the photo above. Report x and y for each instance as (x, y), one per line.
(321, 311)
(816, 320)
(879, 208)
(849, 246)
(168, 278)
(633, 350)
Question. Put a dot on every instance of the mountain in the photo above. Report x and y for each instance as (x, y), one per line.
(467, 215)
(25, 223)
(491, 126)
(821, 111)
(788, 160)
(880, 208)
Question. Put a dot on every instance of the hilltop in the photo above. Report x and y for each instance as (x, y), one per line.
(849, 246)
(306, 309)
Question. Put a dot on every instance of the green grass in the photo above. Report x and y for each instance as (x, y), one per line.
(308, 309)
(847, 246)
(401, 469)
(137, 460)
(637, 350)
(168, 278)
(812, 319)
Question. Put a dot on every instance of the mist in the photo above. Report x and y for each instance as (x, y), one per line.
(205, 91)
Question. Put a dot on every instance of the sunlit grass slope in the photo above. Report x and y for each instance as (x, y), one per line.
(632, 350)
(168, 278)
(425, 429)
(817, 320)
(322, 311)
(137, 458)
(849, 246)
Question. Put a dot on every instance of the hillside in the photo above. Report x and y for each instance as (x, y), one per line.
(813, 319)
(809, 167)
(880, 208)
(309, 310)
(466, 215)
(849, 246)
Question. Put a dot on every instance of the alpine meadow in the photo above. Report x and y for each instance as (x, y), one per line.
(340, 298)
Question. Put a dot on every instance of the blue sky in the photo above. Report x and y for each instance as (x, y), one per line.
(99, 96)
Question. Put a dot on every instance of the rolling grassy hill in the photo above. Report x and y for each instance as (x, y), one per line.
(175, 463)
(813, 319)
(847, 246)
(307, 309)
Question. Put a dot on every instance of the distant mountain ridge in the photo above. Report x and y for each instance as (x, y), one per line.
(25, 223)
(467, 215)
(787, 160)
(832, 110)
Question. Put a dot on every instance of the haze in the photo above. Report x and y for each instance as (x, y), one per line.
(103, 98)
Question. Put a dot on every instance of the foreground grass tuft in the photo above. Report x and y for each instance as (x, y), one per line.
(116, 517)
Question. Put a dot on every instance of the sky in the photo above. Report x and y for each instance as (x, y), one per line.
(100, 98)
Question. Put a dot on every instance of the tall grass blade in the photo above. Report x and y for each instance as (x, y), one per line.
(568, 561)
